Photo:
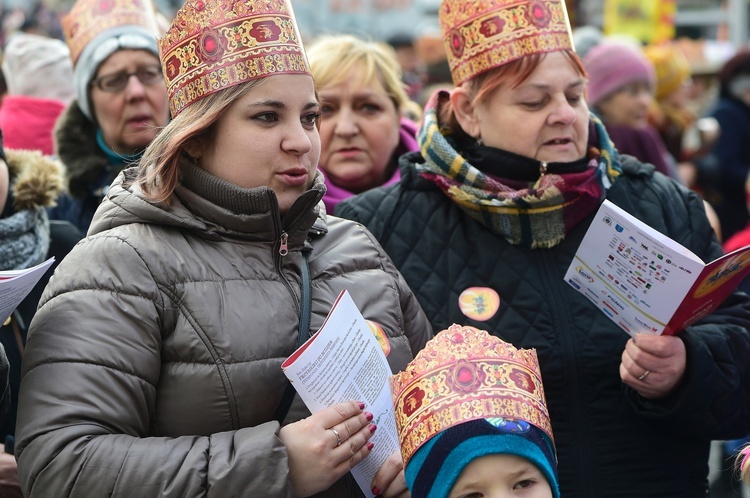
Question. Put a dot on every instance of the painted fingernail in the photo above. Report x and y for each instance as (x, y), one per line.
(369, 416)
(361, 405)
(375, 490)
(370, 446)
(372, 429)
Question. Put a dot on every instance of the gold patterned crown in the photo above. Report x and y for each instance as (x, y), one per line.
(215, 44)
(480, 35)
(89, 18)
(465, 374)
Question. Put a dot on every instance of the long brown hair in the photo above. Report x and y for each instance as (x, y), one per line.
(158, 172)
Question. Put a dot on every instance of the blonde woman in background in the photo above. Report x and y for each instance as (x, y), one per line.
(366, 113)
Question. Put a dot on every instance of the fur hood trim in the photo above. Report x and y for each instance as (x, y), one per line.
(36, 180)
(75, 144)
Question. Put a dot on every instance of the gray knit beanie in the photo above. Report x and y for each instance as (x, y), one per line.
(108, 42)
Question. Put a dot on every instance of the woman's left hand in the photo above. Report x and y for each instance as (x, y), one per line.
(326, 445)
(653, 365)
(389, 481)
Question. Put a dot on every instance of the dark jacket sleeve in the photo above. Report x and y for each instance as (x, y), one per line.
(714, 396)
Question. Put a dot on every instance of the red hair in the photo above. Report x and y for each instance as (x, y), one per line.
(513, 73)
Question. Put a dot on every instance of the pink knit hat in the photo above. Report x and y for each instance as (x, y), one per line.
(611, 66)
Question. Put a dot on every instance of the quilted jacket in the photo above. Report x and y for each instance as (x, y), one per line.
(610, 442)
(152, 367)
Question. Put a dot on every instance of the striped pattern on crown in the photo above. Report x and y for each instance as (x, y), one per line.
(480, 35)
(88, 18)
(465, 374)
(213, 45)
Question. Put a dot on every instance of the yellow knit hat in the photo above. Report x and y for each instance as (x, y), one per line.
(672, 68)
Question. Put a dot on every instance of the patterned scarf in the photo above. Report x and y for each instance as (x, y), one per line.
(536, 216)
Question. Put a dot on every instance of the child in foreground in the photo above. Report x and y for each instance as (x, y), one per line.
(473, 421)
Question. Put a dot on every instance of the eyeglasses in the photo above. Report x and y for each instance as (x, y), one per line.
(115, 83)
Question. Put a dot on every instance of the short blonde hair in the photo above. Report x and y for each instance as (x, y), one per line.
(158, 172)
(332, 57)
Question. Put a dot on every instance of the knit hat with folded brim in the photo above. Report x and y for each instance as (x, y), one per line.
(100, 48)
(436, 466)
(611, 66)
(96, 29)
(38, 66)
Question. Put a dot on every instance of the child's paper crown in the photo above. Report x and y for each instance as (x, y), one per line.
(89, 18)
(465, 374)
(215, 44)
(480, 35)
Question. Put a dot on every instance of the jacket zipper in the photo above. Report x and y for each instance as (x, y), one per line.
(283, 250)
(542, 169)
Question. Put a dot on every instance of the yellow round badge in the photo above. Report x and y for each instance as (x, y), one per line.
(379, 334)
(479, 303)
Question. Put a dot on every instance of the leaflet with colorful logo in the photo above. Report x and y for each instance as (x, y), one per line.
(646, 282)
(346, 361)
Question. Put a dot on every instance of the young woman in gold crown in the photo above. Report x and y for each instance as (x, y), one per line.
(486, 221)
(153, 365)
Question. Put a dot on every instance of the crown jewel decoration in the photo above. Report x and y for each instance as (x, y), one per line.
(212, 45)
(89, 18)
(481, 35)
(465, 374)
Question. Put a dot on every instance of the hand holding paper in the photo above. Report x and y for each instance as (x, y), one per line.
(646, 282)
(316, 460)
(342, 362)
(653, 365)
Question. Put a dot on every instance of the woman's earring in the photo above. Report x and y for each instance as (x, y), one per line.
(480, 142)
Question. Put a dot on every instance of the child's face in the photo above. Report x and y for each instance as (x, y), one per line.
(501, 476)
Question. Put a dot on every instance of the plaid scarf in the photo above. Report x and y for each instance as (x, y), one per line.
(536, 216)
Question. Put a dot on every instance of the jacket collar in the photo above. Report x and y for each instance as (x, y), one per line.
(193, 212)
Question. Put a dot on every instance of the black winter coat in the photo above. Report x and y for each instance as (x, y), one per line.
(610, 441)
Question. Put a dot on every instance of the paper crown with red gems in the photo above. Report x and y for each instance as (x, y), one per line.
(90, 18)
(465, 374)
(480, 35)
(213, 45)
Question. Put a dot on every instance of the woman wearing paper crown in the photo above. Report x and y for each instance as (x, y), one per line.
(487, 219)
(121, 99)
(153, 366)
(472, 419)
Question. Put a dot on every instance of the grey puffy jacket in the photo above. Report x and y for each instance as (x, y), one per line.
(153, 365)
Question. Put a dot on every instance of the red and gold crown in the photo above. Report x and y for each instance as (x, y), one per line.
(480, 35)
(89, 18)
(215, 44)
(465, 374)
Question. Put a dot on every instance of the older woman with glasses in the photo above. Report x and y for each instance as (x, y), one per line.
(121, 100)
